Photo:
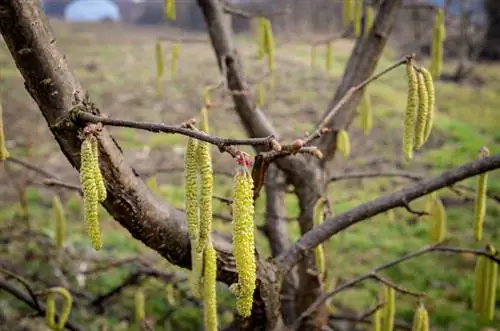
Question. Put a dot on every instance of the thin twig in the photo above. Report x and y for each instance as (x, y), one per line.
(155, 127)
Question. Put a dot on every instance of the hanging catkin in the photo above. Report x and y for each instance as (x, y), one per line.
(99, 181)
(269, 44)
(491, 277)
(209, 288)
(205, 195)
(318, 216)
(369, 18)
(366, 113)
(343, 143)
(243, 240)
(140, 303)
(438, 36)
(377, 320)
(420, 319)
(4, 153)
(422, 112)
(90, 192)
(431, 97)
(411, 110)
(60, 221)
(389, 309)
(480, 205)
(170, 12)
(438, 221)
(193, 212)
(347, 12)
(160, 65)
(51, 307)
(174, 59)
(357, 16)
(261, 37)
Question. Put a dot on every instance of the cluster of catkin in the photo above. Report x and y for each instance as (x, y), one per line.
(93, 187)
(4, 153)
(438, 218)
(175, 50)
(485, 285)
(438, 36)
(198, 191)
(419, 112)
(352, 12)
(50, 309)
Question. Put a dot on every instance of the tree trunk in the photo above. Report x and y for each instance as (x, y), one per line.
(491, 46)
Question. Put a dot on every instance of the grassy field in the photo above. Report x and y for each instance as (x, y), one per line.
(116, 64)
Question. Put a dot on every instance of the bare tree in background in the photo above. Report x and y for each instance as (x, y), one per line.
(290, 273)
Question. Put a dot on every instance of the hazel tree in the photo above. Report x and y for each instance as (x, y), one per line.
(186, 239)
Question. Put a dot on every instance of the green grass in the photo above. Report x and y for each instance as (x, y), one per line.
(123, 86)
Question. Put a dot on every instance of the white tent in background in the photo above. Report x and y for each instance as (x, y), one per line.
(91, 11)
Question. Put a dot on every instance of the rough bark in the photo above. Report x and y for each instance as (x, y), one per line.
(491, 47)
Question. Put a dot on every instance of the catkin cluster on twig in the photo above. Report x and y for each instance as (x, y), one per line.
(366, 115)
(343, 143)
(438, 36)
(60, 221)
(480, 206)
(50, 310)
(485, 286)
(419, 111)
(160, 65)
(389, 310)
(170, 12)
(266, 47)
(94, 190)
(347, 12)
(243, 237)
(199, 191)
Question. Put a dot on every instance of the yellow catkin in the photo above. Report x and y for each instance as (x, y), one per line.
(269, 44)
(160, 65)
(204, 120)
(438, 222)
(329, 57)
(357, 16)
(174, 59)
(170, 12)
(4, 153)
(60, 221)
(313, 54)
(261, 94)
(390, 216)
(209, 288)
(366, 113)
(244, 241)
(420, 319)
(369, 19)
(205, 194)
(389, 309)
(377, 320)
(491, 278)
(478, 296)
(191, 190)
(438, 36)
(422, 112)
(431, 97)
(90, 193)
(99, 181)
(261, 37)
(411, 111)
(50, 310)
(343, 143)
(318, 216)
(170, 294)
(480, 205)
(140, 303)
(347, 12)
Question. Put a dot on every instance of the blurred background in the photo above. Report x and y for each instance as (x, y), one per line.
(110, 46)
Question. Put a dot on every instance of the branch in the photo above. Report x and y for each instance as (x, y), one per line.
(373, 274)
(233, 10)
(154, 127)
(376, 174)
(381, 204)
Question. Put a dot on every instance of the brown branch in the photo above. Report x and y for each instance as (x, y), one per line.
(373, 273)
(351, 92)
(57, 182)
(376, 174)
(381, 204)
(30, 166)
(233, 10)
(155, 127)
